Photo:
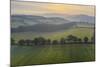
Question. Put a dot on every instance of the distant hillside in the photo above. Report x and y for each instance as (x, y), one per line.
(29, 20)
(24, 20)
(82, 18)
(50, 27)
(75, 18)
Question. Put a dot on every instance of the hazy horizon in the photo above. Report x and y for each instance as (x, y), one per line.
(37, 8)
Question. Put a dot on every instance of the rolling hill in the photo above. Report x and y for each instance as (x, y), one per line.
(78, 31)
(28, 27)
(82, 18)
(28, 20)
(40, 28)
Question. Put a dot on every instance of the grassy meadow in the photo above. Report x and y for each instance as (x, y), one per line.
(79, 32)
(48, 54)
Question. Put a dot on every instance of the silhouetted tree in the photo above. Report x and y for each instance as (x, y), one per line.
(69, 38)
(72, 39)
(21, 42)
(48, 41)
(62, 41)
(28, 42)
(86, 39)
(79, 40)
(54, 42)
(36, 41)
(41, 41)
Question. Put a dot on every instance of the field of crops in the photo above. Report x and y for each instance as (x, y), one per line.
(48, 54)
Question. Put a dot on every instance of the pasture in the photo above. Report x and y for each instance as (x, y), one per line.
(48, 54)
(78, 31)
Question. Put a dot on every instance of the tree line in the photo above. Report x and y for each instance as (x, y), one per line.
(43, 41)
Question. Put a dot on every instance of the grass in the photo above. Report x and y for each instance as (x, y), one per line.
(48, 54)
(79, 32)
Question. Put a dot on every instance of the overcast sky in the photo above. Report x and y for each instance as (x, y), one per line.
(36, 8)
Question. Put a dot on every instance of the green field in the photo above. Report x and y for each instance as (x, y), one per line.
(79, 32)
(48, 54)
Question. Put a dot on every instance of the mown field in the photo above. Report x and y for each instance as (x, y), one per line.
(79, 32)
(48, 54)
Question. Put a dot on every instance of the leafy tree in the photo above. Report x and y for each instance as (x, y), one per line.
(21, 42)
(54, 42)
(28, 42)
(86, 39)
(41, 41)
(48, 41)
(36, 41)
(72, 39)
(62, 41)
(79, 40)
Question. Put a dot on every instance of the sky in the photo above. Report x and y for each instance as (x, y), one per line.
(37, 8)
